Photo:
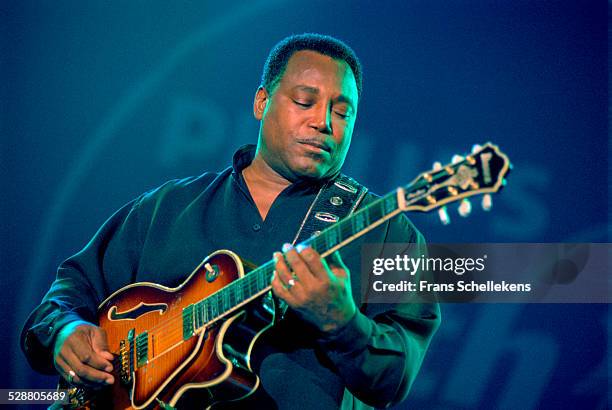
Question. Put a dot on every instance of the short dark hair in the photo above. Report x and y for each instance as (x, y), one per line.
(326, 45)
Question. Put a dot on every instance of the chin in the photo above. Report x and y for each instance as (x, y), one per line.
(312, 168)
(311, 171)
(316, 173)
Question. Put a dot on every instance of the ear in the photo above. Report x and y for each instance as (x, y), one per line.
(261, 100)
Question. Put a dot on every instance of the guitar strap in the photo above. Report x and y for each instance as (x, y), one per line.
(335, 200)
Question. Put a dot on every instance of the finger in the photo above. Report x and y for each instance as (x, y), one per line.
(279, 289)
(87, 355)
(85, 373)
(290, 279)
(100, 346)
(335, 261)
(63, 369)
(315, 263)
(299, 267)
(283, 273)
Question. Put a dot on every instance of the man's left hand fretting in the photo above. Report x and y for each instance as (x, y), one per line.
(318, 291)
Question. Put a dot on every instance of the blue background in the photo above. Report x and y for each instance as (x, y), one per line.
(102, 101)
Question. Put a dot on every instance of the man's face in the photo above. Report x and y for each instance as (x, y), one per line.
(307, 122)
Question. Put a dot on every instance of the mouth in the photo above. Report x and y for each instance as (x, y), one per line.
(318, 145)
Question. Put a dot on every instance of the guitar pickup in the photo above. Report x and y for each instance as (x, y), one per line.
(142, 349)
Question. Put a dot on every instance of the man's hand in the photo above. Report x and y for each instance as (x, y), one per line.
(81, 355)
(319, 292)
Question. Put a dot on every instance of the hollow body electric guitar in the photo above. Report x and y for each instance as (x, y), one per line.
(196, 340)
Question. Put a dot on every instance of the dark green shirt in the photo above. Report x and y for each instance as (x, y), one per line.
(164, 234)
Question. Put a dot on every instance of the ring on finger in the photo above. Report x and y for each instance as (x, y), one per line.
(71, 375)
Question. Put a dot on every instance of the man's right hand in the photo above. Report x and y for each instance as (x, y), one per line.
(81, 355)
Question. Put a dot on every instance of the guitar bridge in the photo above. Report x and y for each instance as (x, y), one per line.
(125, 363)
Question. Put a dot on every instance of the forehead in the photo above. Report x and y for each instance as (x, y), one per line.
(311, 69)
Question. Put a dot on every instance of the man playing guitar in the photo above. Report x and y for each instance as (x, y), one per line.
(330, 349)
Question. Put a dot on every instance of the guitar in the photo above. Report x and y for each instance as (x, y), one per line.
(197, 338)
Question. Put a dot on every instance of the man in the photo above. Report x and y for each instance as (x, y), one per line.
(331, 349)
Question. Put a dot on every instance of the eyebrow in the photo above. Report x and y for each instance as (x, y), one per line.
(313, 90)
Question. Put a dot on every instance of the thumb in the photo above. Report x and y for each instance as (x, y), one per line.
(336, 263)
(99, 342)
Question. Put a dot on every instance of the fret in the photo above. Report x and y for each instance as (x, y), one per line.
(226, 302)
(249, 286)
(203, 312)
(260, 282)
(220, 309)
(231, 295)
(390, 204)
(198, 316)
(374, 212)
(240, 291)
(359, 221)
(381, 208)
(347, 229)
(331, 237)
(213, 306)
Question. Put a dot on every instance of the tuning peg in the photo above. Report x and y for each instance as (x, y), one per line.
(443, 215)
(437, 166)
(476, 148)
(465, 207)
(457, 158)
(487, 202)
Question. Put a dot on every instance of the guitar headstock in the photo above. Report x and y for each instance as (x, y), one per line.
(481, 172)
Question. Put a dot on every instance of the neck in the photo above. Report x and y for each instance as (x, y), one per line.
(261, 177)
(264, 184)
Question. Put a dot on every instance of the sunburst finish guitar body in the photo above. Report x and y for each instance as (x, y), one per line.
(164, 352)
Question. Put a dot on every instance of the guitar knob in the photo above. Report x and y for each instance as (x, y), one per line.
(457, 158)
(443, 215)
(487, 202)
(465, 207)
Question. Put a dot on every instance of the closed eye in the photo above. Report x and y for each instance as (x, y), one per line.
(341, 114)
(301, 104)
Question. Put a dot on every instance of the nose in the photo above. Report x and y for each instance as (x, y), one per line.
(321, 119)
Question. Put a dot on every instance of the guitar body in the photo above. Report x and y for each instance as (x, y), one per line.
(161, 358)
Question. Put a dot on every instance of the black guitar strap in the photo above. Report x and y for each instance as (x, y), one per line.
(335, 200)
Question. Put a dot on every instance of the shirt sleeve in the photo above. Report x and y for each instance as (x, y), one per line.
(380, 351)
(107, 262)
